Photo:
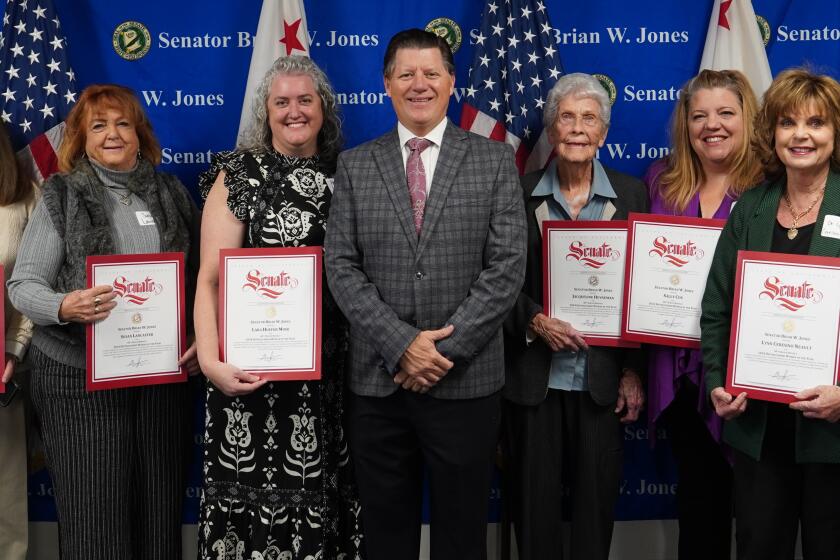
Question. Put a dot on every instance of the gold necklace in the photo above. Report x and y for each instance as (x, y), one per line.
(792, 230)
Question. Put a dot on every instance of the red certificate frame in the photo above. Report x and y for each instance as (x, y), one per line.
(596, 260)
(236, 271)
(129, 296)
(2, 323)
(665, 335)
(786, 302)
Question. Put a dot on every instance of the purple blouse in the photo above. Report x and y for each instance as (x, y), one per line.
(668, 364)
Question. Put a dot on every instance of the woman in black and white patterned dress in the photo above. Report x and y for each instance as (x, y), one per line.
(277, 475)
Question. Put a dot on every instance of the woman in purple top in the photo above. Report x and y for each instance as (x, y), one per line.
(710, 164)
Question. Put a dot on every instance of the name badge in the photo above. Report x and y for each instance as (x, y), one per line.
(144, 218)
(831, 227)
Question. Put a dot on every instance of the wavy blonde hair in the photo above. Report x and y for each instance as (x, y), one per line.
(791, 92)
(684, 172)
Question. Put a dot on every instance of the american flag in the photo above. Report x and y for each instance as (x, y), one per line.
(516, 64)
(36, 82)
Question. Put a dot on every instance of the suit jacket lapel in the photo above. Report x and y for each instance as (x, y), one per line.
(452, 152)
(820, 244)
(760, 233)
(389, 161)
(541, 214)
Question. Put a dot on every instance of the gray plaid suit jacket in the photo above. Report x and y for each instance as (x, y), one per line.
(465, 269)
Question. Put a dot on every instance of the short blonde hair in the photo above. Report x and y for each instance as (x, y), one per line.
(791, 92)
(101, 96)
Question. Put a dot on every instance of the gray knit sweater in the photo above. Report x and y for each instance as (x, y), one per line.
(43, 252)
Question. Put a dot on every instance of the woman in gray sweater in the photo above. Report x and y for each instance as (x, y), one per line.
(116, 457)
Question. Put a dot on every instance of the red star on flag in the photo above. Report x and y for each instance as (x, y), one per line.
(290, 38)
(724, 7)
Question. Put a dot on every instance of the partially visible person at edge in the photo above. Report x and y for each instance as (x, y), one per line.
(564, 401)
(710, 165)
(275, 191)
(786, 458)
(116, 457)
(17, 200)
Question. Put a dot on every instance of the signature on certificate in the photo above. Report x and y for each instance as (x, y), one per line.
(783, 376)
(593, 322)
(137, 362)
(671, 323)
(270, 357)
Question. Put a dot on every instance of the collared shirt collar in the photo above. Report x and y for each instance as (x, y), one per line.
(549, 184)
(435, 136)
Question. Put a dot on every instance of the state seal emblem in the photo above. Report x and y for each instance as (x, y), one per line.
(608, 84)
(763, 28)
(131, 40)
(448, 30)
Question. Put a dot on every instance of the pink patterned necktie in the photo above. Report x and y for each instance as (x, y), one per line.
(415, 173)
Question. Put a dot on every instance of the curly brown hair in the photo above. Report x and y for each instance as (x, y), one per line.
(105, 96)
(790, 93)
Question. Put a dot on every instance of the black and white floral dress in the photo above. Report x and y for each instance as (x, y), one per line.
(278, 482)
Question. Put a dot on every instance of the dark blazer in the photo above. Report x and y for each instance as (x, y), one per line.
(750, 228)
(527, 366)
(465, 268)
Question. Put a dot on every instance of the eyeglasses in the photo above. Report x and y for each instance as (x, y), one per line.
(570, 119)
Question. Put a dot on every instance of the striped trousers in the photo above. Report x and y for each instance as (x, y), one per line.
(116, 458)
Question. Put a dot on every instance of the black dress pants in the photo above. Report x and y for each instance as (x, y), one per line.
(567, 449)
(775, 495)
(704, 491)
(391, 439)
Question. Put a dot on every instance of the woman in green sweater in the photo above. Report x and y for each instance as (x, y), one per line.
(786, 458)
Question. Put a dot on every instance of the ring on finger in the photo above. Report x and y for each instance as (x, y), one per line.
(96, 309)
(97, 300)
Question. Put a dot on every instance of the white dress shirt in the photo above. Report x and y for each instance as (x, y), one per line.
(429, 156)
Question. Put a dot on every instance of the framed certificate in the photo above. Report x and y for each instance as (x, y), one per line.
(2, 324)
(141, 340)
(583, 277)
(785, 325)
(270, 311)
(668, 260)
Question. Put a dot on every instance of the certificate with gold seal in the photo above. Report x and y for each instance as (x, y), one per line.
(141, 340)
(583, 277)
(785, 333)
(668, 260)
(270, 311)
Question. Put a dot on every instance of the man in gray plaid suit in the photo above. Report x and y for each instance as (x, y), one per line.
(425, 254)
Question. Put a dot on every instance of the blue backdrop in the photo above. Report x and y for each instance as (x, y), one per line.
(191, 82)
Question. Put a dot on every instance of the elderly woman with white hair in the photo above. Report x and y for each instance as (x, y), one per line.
(565, 401)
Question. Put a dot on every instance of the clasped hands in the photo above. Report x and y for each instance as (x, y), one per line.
(422, 366)
(821, 402)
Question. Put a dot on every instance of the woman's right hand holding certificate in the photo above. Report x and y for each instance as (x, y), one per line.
(558, 335)
(727, 406)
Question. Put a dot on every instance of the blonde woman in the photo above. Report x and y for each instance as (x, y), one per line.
(710, 165)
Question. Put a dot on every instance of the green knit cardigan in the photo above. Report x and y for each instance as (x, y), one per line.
(750, 228)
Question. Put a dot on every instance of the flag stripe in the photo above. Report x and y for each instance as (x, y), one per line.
(515, 65)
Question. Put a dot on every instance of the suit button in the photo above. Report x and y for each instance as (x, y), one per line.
(418, 275)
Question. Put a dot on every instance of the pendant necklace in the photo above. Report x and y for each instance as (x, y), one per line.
(123, 194)
(793, 231)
